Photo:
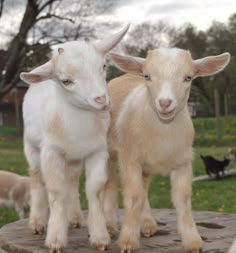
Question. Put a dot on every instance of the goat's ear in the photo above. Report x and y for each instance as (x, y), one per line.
(41, 73)
(129, 64)
(104, 46)
(211, 65)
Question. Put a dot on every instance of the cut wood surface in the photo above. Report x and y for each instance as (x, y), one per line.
(217, 229)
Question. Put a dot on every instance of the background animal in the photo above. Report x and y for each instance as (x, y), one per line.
(15, 192)
(214, 166)
(66, 120)
(152, 133)
(232, 154)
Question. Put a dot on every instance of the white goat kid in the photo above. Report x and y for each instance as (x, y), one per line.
(66, 119)
(152, 133)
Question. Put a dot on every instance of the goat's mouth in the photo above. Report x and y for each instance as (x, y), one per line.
(167, 116)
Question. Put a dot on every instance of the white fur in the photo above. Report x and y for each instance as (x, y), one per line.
(64, 127)
(233, 248)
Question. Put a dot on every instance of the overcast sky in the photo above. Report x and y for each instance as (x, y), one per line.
(176, 12)
(199, 12)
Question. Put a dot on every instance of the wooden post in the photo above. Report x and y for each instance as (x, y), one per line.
(226, 104)
(17, 111)
(217, 115)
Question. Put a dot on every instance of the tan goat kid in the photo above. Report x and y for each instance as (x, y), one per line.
(152, 133)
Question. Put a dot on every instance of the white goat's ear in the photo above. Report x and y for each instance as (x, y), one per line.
(211, 65)
(128, 64)
(41, 73)
(104, 46)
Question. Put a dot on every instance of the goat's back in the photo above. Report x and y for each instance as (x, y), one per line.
(119, 88)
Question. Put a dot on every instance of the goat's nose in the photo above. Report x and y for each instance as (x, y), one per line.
(165, 103)
(101, 100)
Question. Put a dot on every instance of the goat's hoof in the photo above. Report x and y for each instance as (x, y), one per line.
(149, 228)
(53, 250)
(38, 231)
(196, 251)
(128, 244)
(126, 251)
(101, 247)
(75, 224)
(112, 230)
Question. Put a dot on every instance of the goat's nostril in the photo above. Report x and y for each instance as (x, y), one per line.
(165, 103)
(101, 100)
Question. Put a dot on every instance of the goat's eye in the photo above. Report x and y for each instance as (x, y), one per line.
(147, 77)
(188, 78)
(67, 82)
(104, 67)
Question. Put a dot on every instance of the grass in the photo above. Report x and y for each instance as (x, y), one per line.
(207, 195)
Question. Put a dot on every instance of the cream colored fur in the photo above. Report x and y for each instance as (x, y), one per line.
(66, 119)
(152, 133)
(15, 192)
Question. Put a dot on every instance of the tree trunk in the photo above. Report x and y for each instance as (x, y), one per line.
(14, 52)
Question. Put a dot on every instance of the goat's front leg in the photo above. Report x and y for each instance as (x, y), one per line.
(96, 178)
(149, 225)
(54, 173)
(75, 215)
(110, 198)
(134, 197)
(181, 182)
(38, 196)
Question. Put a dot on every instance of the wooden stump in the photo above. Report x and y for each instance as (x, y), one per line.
(217, 229)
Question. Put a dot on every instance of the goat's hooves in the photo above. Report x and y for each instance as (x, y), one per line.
(126, 251)
(128, 245)
(196, 251)
(53, 250)
(101, 247)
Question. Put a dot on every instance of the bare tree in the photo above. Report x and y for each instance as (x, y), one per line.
(44, 22)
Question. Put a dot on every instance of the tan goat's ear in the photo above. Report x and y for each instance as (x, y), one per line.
(128, 64)
(211, 65)
(41, 73)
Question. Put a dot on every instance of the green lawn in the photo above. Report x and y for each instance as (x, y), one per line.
(207, 195)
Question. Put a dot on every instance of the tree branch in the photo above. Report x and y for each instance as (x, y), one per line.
(48, 3)
(49, 15)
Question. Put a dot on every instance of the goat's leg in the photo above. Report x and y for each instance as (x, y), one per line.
(181, 182)
(54, 174)
(149, 225)
(75, 215)
(134, 198)
(96, 178)
(110, 198)
(38, 195)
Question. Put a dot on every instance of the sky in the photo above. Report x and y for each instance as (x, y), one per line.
(201, 13)
(176, 12)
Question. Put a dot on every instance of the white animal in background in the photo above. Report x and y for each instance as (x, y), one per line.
(66, 119)
(152, 133)
(233, 248)
(15, 192)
